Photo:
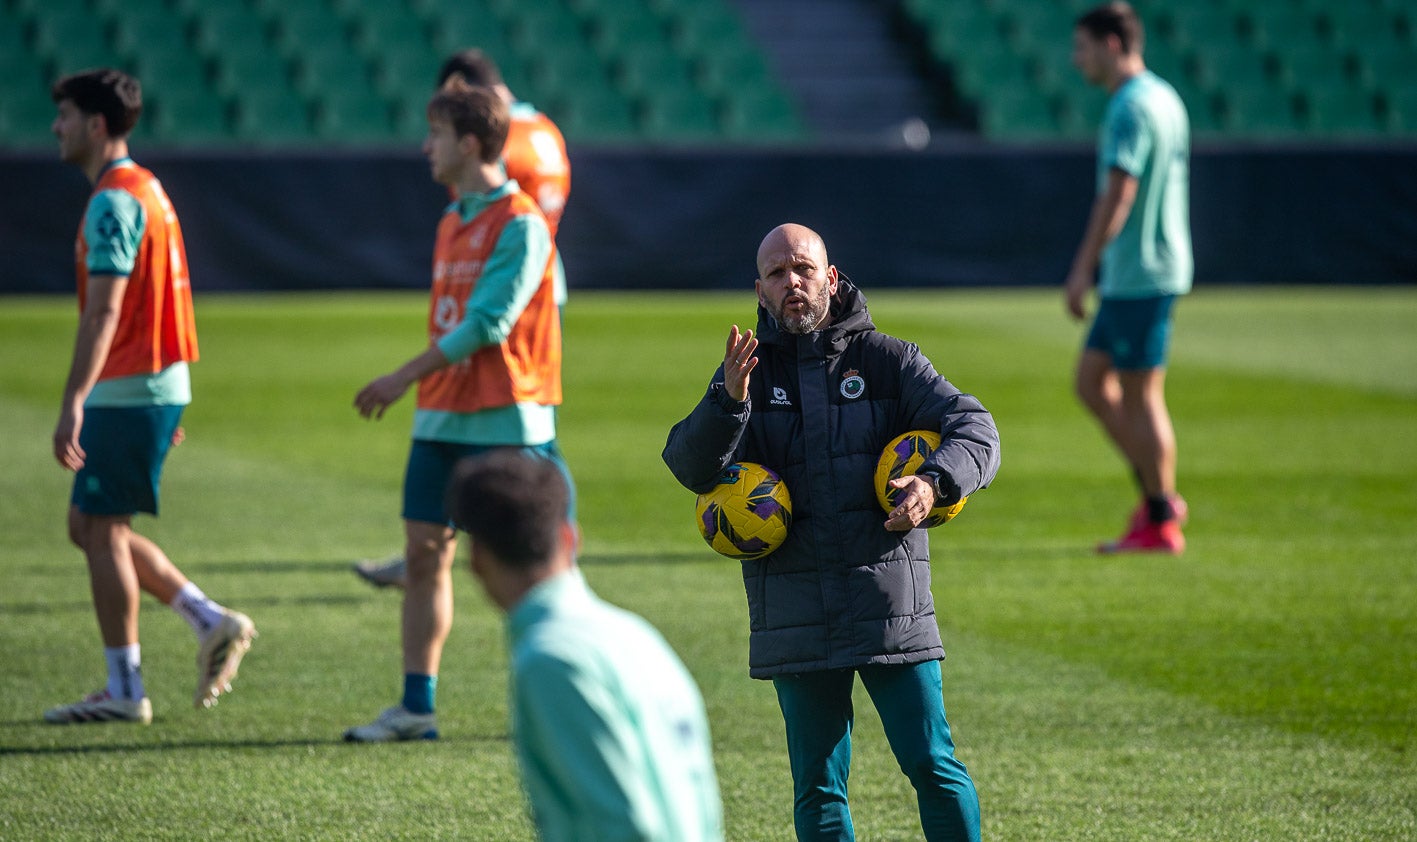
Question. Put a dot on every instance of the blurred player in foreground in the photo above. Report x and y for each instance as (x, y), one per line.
(848, 593)
(123, 401)
(609, 727)
(534, 157)
(1137, 247)
(489, 377)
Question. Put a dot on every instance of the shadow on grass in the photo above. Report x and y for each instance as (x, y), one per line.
(245, 602)
(681, 557)
(268, 744)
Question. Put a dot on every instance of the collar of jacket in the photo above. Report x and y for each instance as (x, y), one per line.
(849, 317)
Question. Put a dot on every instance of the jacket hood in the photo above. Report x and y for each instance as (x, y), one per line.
(849, 317)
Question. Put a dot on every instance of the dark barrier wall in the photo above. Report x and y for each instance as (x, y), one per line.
(693, 219)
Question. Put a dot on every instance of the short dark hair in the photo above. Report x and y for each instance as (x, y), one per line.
(111, 93)
(473, 66)
(475, 111)
(1116, 18)
(512, 501)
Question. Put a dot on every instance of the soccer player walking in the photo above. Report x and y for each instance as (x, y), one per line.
(1137, 247)
(534, 156)
(123, 400)
(489, 377)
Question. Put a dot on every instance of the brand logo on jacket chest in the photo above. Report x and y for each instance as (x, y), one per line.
(853, 385)
(779, 397)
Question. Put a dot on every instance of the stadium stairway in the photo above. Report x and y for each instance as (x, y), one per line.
(841, 63)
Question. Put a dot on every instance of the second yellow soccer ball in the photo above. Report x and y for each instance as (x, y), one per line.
(902, 458)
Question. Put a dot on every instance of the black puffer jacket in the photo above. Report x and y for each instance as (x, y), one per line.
(841, 591)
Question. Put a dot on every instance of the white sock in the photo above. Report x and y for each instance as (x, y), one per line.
(125, 674)
(197, 609)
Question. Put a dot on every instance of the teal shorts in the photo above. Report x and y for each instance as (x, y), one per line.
(430, 469)
(124, 450)
(1134, 332)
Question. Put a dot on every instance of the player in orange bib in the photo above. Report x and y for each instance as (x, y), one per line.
(489, 378)
(535, 157)
(123, 401)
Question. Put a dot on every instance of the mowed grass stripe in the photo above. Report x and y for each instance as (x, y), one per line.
(1259, 687)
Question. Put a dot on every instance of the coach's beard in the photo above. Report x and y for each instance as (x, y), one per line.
(808, 319)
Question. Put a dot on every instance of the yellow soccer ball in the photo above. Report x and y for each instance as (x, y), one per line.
(747, 514)
(902, 458)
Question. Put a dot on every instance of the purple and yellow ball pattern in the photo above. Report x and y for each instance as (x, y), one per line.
(747, 514)
(902, 458)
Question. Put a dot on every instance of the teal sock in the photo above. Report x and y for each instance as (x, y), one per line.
(418, 691)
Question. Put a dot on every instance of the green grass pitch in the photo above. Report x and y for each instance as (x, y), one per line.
(1261, 687)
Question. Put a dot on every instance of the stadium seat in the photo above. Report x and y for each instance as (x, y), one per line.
(1257, 113)
(565, 71)
(389, 28)
(614, 33)
(1399, 109)
(297, 31)
(697, 30)
(189, 117)
(1017, 114)
(651, 68)
(25, 120)
(532, 33)
(989, 67)
(460, 29)
(761, 115)
(1281, 28)
(737, 66)
(272, 119)
(594, 115)
(241, 74)
(672, 116)
(1197, 26)
(352, 118)
(1340, 111)
(1219, 69)
(327, 67)
(177, 71)
(222, 29)
(407, 73)
(139, 32)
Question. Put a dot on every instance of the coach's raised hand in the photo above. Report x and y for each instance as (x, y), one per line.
(738, 362)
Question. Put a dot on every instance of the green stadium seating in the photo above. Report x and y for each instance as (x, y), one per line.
(240, 75)
(138, 33)
(25, 119)
(652, 68)
(352, 118)
(177, 71)
(219, 70)
(702, 29)
(565, 71)
(595, 114)
(735, 69)
(297, 31)
(389, 28)
(1019, 114)
(1340, 111)
(267, 118)
(406, 73)
(1257, 112)
(671, 116)
(223, 29)
(325, 67)
(182, 117)
(761, 115)
(467, 27)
